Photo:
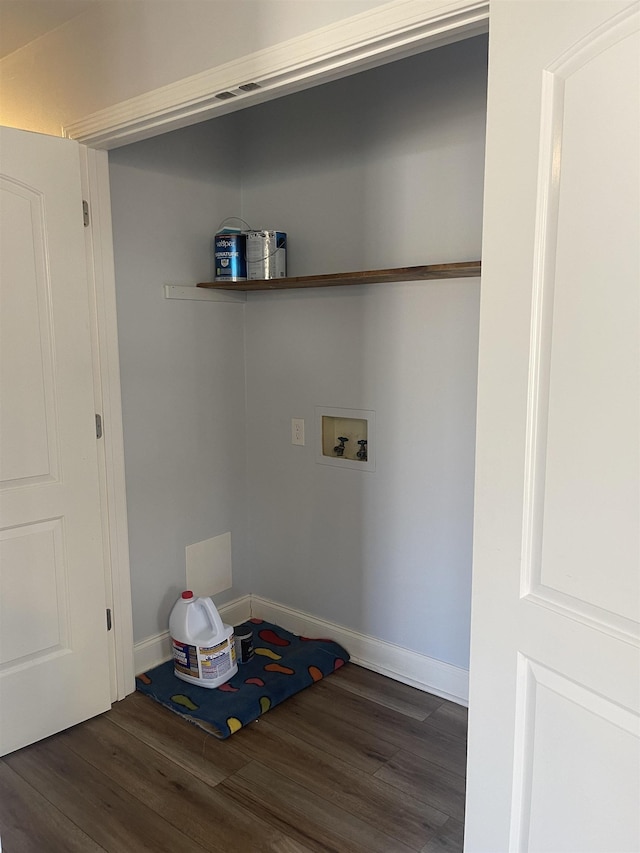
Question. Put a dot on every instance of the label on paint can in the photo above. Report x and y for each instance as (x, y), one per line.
(230, 257)
(266, 254)
(244, 643)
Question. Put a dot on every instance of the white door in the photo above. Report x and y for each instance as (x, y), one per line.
(54, 669)
(554, 755)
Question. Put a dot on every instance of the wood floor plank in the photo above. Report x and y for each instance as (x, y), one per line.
(451, 719)
(30, 824)
(190, 747)
(404, 732)
(440, 748)
(107, 813)
(426, 782)
(402, 817)
(385, 691)
(351, 764)
(448, 839)
(321, 825)
(202, 812)
(358, 748)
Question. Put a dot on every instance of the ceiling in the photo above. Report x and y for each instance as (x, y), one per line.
(22, 21)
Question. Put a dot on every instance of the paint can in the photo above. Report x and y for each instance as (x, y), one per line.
(204, 651)
(230, 255)
(266, 254)
(244, 643)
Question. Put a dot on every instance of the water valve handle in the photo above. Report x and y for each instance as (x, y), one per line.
(340, 448)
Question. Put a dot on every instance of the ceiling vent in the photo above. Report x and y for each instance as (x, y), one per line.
(224, 96)
(249, 87)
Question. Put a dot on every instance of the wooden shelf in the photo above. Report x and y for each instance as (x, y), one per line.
(426, 273)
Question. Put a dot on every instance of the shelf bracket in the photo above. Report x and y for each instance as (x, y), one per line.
(179, 291)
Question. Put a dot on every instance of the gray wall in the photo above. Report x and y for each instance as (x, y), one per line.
(182, 363)
(385, 552)
(381, 169)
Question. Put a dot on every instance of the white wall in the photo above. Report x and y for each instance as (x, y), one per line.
(182, 362)
(120, 48)
(381, 169)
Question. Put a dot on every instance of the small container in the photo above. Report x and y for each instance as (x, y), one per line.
(244, 643)
(266, 254)
(204, 651)
(230, 252)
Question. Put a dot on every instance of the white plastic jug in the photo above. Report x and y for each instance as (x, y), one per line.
(204, 651)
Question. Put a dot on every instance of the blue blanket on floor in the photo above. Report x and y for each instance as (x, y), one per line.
(283, 664)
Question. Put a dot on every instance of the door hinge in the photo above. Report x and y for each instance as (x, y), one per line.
(98, 426)
(108, 618)
(85, 213)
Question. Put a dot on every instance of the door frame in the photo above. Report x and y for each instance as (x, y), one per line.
(94, 167)
(396, 30)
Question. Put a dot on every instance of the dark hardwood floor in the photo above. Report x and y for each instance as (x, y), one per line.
(355, 764)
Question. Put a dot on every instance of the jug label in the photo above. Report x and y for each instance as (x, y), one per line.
(185, 658)
(215, 660)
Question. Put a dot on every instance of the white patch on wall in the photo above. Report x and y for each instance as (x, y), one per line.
(209, 565)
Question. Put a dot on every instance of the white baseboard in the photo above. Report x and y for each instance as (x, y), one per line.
(157, 649)
(417, 670)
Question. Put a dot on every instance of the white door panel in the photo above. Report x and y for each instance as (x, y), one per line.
(28, 448)
(53, 640)
(554, 751)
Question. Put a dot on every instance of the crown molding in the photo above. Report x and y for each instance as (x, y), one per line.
(396, 30)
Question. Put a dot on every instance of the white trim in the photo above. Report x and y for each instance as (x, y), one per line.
(409, 667)
(395, 30)
(236, 611)
(412, 668)
(99, 240)
(151, 652)
(157, 649)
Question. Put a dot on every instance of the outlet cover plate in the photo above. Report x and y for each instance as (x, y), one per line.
(297, 431)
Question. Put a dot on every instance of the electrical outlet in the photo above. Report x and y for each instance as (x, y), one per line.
(297, 430)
